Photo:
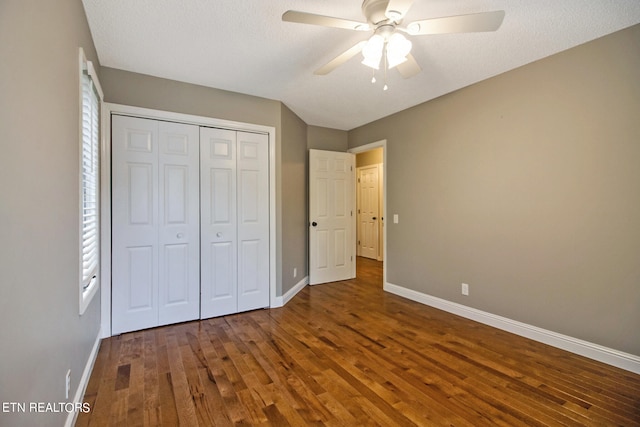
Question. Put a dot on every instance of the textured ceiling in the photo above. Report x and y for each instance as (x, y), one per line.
(243, 46)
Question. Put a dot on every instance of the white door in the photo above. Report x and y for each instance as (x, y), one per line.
(331, 206)
(368, 211)
(155, 223)
(253, 220)
(234, 221)
(179, 223)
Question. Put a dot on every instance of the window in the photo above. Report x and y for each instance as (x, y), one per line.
(90, 100)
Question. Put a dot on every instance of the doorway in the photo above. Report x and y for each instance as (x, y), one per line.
(371, 235)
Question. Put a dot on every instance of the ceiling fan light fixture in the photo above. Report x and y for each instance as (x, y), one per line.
(372, 51)
(398, 47)
(372, 62)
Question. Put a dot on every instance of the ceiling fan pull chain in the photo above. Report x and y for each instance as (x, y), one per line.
(373, 75)
(385, 87)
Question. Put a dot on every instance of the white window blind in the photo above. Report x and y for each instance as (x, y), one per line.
(90, 179)
(91, 101)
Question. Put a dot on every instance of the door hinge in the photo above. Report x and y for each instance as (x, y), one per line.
(351, 258)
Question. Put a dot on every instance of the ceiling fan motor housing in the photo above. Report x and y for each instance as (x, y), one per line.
(385, 30)
(375, 11)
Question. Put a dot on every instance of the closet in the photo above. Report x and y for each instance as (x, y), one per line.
(190, 222)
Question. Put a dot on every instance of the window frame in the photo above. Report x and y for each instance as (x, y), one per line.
(89, 282)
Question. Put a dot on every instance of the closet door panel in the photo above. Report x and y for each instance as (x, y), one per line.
(155, 192)
(222, 281)
(218, 222)
(134, 224)
(253, 221)
(249, 271)
(179, 216)
(139, 280)
(175, 274)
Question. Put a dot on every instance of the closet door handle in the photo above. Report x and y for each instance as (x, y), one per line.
(180, 235)
(218, 234)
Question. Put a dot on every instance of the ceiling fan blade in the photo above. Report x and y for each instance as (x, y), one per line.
(340, 59)
(397, 9)
(475, 22)
(409, 68)
(325, 21)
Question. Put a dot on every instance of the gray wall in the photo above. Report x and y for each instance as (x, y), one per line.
(41, 332)
(527, 187)
(321, 138)
(294, 196)
(140, 90)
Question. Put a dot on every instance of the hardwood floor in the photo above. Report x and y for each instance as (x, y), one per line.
(349, 354)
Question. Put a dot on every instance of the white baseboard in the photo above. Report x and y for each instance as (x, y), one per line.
(281, 301)
(597, 352)
(84, 381)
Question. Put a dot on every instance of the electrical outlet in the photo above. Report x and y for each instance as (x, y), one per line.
(295, 272)
(67, 386)
(465, 289)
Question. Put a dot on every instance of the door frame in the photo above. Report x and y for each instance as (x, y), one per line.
(105, 191)
(361, 149)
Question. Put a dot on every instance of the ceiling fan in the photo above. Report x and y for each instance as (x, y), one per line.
(388, 46)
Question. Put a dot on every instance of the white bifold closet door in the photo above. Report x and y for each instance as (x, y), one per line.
(234, 178)
(155, 223)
